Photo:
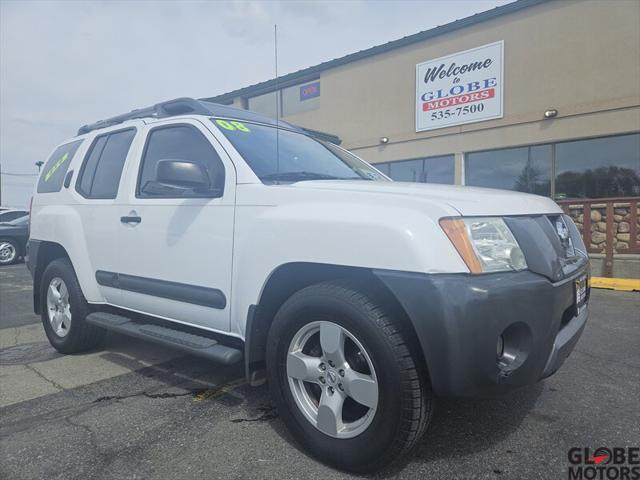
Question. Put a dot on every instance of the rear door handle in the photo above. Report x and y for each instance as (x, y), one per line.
(130, 219)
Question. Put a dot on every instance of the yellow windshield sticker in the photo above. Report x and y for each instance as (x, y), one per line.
(56, 166)
(241, 126)
(226, 125)
(233, 125)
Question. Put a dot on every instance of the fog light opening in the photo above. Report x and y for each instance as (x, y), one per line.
(513, 346)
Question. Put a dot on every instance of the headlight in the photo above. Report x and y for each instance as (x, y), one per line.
(485, 244)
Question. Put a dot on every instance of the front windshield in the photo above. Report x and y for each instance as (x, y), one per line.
(284, 156)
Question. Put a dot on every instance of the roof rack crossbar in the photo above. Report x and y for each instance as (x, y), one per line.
(170, 108)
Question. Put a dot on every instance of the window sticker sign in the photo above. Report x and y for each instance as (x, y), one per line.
(464, 87)
(310, 90)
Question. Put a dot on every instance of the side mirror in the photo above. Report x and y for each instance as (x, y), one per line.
(182, 174)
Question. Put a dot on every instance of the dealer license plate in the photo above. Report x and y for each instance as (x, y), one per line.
(581, 292)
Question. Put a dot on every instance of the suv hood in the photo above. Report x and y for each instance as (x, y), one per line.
(468, 201)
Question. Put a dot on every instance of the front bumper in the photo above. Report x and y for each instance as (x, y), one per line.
(459, 318)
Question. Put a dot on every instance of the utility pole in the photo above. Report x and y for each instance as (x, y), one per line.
(39, 164)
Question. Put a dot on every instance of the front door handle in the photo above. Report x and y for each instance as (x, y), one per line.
(130, 219)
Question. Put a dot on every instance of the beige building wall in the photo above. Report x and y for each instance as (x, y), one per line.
(579, 57)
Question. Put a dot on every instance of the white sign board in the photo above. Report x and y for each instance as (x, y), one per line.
(461, 88)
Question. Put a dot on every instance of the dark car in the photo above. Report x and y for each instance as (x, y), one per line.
(13, 240)
(8, 214)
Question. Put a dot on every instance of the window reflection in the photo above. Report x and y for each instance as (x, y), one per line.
(439, 170)
(407, 171)
(598, 167)
(594, 168)
(525, 169)
(427, 170)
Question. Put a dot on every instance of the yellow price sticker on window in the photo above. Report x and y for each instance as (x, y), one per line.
(233, 125)
(56, 166)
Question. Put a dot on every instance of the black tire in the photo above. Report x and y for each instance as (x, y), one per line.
(404, 392)
(16, 250)
(81, 336)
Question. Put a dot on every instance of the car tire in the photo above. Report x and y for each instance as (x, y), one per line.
(392, 425)
(9, 252)
(64, 309)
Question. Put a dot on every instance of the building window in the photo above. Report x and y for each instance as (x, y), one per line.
(525, 169)
(407, 171)
(598, 167)
(422, 170)
(440, 170)
(595, 168)
(383, 167)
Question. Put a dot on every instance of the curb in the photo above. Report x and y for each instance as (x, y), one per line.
(618, 284)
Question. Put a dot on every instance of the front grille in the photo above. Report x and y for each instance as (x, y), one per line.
(551, 244)
(561, 227)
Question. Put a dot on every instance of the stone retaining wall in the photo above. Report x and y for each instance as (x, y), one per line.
(622, 218)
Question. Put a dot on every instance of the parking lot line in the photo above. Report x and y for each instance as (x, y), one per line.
(619, 284)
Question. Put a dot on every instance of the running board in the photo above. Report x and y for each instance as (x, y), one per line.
(187, 342)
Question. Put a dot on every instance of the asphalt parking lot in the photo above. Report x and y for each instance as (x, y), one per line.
(137, 411)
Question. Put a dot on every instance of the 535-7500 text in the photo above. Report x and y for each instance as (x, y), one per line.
(457, 112)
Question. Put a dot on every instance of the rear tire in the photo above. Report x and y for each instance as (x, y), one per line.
(63, 310)
(375, 349)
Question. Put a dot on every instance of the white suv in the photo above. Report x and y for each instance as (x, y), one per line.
(231, 236)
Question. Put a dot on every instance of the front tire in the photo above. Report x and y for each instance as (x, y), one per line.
(343, 378)
(63, 310)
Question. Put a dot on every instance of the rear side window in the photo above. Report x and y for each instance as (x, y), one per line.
(102, 169)
(56, 167)
(180, 142)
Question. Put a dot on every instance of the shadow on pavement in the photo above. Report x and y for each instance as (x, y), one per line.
(464, 426)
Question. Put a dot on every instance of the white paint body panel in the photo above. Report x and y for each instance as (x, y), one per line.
(236, 242)
(187, 241)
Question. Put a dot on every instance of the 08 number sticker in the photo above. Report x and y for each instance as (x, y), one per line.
(233, 125)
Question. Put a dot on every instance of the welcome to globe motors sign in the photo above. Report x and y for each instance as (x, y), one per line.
(464, 87)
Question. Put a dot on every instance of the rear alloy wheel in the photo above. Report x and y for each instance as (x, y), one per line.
(8, 252)
(58, 307)
(63, 310)
(344, 377)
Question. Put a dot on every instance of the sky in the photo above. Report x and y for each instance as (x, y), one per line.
(67, 63)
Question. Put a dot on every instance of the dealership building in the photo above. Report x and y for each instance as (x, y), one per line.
(536, 96)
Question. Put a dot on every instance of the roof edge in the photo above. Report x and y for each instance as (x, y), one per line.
(313, 72)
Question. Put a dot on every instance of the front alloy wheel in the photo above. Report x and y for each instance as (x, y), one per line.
(344, 376)
(332, 379)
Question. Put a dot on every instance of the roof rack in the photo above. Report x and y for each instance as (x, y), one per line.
(170, 108)
(186, 106)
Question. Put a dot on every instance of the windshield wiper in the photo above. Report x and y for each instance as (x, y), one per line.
(297, 176)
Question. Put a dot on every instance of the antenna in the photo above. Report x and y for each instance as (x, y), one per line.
(275, 43)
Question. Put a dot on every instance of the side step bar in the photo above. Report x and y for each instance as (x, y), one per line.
(187, 342)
